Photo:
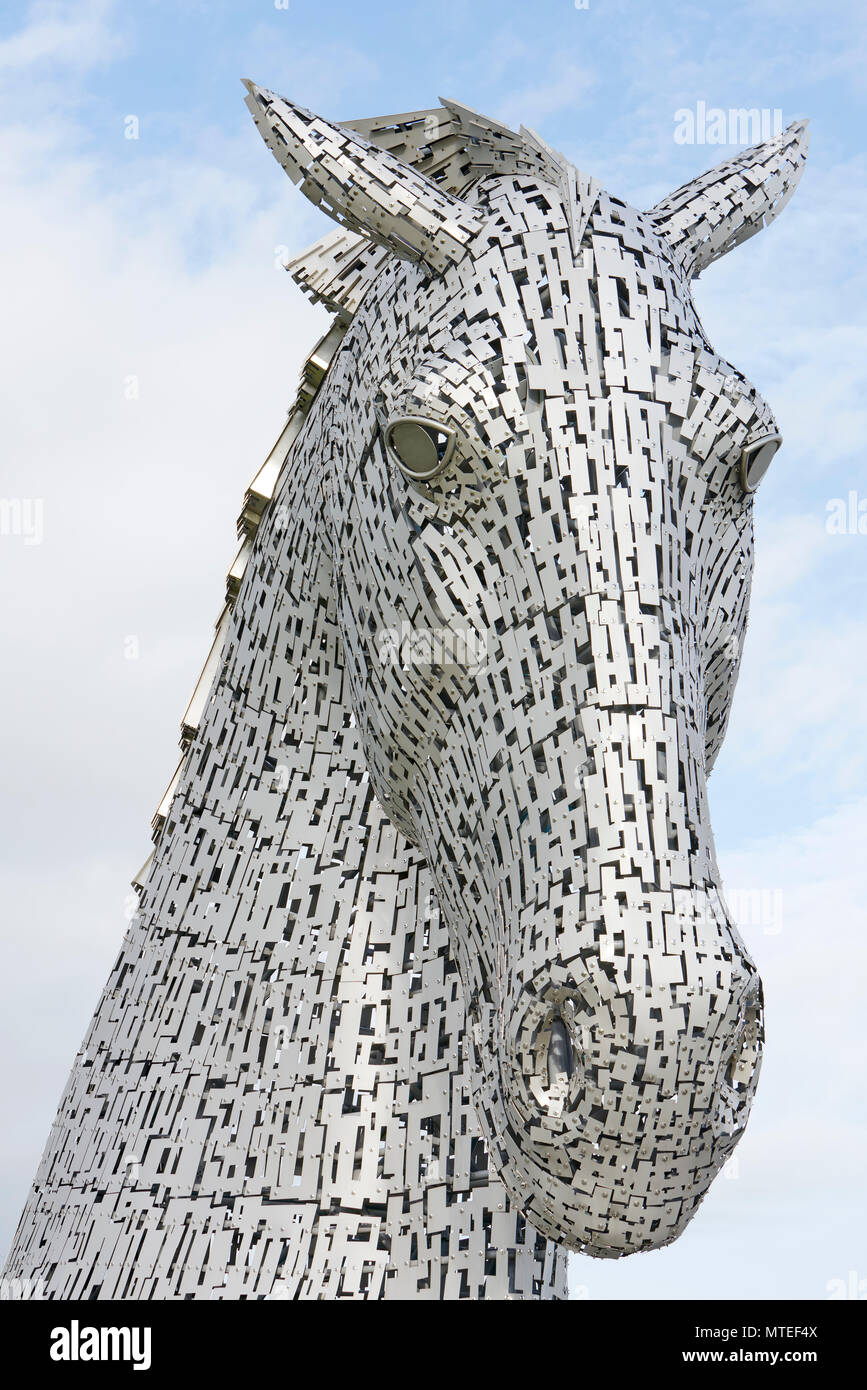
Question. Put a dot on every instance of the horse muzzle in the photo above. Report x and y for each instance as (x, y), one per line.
(619, 1107)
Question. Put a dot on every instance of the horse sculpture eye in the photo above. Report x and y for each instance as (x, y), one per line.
(756, 460)
(421, 448)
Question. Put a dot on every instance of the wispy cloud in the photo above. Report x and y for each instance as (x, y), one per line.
(565, 86)
(63, 34)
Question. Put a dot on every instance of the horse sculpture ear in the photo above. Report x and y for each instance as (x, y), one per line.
(705, 218)
(364, 187)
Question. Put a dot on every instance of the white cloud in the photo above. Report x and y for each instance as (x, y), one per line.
(788, 550)
(73, 35)
(798, 718)
(565, 85)
(317, 76)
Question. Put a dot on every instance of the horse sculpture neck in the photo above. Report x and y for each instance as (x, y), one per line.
(271, 1100)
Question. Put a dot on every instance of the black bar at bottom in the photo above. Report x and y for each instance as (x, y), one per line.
(624, 1342)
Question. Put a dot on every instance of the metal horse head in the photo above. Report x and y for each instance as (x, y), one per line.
(536, 479)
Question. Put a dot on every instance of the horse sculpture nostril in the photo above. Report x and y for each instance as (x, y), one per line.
(559, 1052)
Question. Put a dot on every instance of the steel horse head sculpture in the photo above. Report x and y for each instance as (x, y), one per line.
(529, 442)
(496, 604)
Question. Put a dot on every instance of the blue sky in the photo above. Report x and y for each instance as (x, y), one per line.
(156, 259)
